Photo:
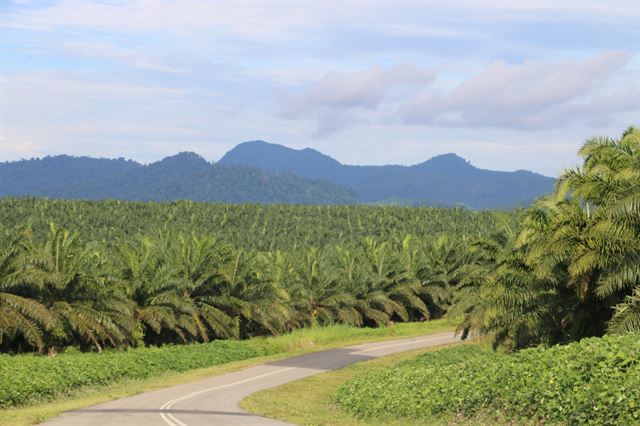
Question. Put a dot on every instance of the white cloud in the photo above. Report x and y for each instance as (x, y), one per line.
(531, 95)
(528, 95)
(18, 148)
(333, 99)
(146, 78)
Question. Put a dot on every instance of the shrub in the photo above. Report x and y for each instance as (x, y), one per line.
(594, 381)
(29, 378)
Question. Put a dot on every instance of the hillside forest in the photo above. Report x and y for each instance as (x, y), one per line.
(265, 173)
(112, 274)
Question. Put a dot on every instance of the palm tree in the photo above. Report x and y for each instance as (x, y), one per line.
(626, 318)
(152, 284)
(81, 295)
(215, 309)
(324, 300)
(471, 295)
(440, 272)
(608, 186)
(249, 295)
(19, 315)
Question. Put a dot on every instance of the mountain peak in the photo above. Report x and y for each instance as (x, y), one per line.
(186, 156)
(446, 179)
(449, 159)
(183, 162)
(278, 158)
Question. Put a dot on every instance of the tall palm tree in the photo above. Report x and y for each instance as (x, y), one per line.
(325, 300)
(81, 295)
(215, 309)
(19, 315)
(608, 186)
(152, 284)
(471, 296)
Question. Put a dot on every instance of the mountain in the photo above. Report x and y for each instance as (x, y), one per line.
(182, 176)
(443, 180)
(262, 172)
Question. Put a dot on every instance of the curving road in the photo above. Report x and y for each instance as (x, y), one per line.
(215, 401)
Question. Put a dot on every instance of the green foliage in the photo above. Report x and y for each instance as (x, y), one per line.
(185, 176)
(26, 379)
(573, 270)
(247, 226)
(134, 274)
(125, 274)
(444, 180)
(594, 381)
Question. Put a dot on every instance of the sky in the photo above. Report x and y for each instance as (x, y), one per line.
(505, 84)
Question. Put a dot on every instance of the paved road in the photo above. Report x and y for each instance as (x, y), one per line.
(215, 401)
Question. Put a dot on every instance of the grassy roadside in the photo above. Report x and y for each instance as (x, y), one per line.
(593, 381)
(298, 342)
(309, 401)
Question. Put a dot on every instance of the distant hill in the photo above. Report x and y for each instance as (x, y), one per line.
(182, 176)
(445, 180)
(262, 172)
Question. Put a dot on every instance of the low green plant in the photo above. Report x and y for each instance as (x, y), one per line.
(594, 381)
(26, 379)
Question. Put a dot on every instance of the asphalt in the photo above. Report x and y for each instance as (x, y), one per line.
(215, 401)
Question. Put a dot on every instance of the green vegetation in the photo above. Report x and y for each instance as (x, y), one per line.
(30, 379)
(576, 256)
(569, 272)
(185, 176)
(250, 227)
(444, 180)
(594, 381)
(87, 276)
(310, 401)
(132, 274)
(249, 271)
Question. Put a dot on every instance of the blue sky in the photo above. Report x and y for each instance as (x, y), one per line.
(507, 85)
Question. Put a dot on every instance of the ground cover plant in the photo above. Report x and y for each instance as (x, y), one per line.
(594, 381)
(27, 379)
(30, 379)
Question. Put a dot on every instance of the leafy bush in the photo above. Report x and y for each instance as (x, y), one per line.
(594, 381)
(25, 379)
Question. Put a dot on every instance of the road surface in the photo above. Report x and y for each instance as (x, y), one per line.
(215, 401)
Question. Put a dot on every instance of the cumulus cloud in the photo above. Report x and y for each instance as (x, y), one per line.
(530, 95)
(334, 99)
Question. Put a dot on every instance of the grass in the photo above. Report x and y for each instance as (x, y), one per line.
(310, 401)
(295, 343)
(317, 338)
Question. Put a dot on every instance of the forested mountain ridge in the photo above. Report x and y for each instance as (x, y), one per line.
(442, 180)
(182, 176)
(268, 173)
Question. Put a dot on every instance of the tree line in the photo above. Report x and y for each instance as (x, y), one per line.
(573, 269)
(174, 288)
(134, 274)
